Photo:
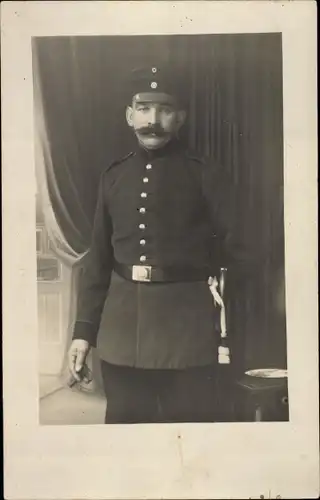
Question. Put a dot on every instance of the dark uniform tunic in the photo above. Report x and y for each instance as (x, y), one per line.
(159, 209)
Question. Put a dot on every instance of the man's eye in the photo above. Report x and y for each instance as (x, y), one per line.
(143, 108)
(167, 111)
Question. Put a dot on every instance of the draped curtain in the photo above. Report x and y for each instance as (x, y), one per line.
(234, 105)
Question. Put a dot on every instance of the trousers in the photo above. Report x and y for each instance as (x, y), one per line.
(137, 395)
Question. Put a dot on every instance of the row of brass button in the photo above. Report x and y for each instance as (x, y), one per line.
(142, 211)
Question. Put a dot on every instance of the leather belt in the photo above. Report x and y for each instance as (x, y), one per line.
(151, 274)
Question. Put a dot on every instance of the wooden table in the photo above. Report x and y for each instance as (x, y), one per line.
(263, 399)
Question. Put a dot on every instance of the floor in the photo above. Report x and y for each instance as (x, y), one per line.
(60, 405)
(66, 406)
(49, 384)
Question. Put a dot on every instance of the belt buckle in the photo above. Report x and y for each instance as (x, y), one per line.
(141, 273)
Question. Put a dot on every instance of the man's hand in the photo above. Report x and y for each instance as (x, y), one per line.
(78, 353)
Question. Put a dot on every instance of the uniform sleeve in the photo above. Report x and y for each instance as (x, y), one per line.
(96, 274)
(240, 258)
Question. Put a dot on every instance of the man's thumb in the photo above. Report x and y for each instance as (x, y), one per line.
(81, 356)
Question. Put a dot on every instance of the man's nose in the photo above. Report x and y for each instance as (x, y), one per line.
(153, 116)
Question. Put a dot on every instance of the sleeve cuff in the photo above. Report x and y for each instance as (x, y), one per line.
(86, 331)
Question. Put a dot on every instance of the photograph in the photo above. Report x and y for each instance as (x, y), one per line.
(160, 228)
(160, 292)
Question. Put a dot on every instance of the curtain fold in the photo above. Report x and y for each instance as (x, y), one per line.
(46, 182)
(234, 89)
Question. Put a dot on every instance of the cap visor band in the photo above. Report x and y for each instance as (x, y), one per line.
(155, 97)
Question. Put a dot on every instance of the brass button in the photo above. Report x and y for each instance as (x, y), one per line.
(143, 258)
(142, 226)
(143, 195)
(142, 242)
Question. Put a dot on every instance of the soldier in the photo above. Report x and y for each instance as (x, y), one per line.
(144, 299)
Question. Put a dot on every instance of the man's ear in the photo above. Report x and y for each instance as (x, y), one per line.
(129, 113)
(181, 118)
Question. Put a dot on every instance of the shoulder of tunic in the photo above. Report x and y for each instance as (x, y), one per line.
(208, 163)
(118, 162)
(213, 175)
(195, 157)
(205, 161)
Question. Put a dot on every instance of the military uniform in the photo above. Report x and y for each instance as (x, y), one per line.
(144, 298)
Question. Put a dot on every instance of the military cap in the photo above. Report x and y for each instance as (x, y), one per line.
(155, 82)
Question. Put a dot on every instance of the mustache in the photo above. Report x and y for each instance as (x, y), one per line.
(152, 129)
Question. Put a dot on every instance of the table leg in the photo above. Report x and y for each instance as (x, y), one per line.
(258, 414)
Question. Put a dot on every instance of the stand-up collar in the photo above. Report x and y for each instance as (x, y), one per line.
(172, 147)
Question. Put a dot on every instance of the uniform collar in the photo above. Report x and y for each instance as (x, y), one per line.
(172, 147)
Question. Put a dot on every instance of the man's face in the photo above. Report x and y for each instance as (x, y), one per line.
(155, 122)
